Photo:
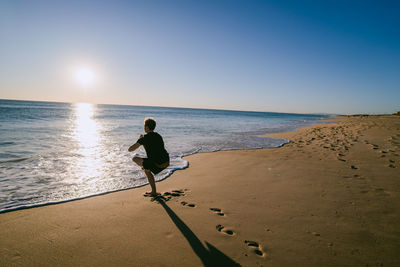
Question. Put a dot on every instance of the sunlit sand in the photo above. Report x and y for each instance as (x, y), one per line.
(330, 197)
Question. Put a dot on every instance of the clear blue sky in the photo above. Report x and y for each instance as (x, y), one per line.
(284, 56)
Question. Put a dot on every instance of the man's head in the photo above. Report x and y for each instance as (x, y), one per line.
(149, 124)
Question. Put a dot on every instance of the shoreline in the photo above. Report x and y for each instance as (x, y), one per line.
(162, 179)
(311, 202)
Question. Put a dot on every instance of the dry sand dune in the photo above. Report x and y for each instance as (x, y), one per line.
(331, 197)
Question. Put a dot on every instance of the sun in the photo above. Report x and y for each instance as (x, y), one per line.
(84, 76)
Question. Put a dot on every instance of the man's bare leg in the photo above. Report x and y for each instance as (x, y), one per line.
(150, 177)
(138, 161)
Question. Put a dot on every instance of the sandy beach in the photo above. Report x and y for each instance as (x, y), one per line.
(330, 197)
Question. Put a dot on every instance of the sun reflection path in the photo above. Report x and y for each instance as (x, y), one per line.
(88, 166)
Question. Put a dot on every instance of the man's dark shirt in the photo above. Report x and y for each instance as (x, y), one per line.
(154, 146)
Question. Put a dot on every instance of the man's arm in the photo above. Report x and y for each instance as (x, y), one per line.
(134, 147)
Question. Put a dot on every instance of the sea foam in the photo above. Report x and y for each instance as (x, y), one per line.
(57, 152)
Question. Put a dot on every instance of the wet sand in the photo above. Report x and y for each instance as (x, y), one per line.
(331, 197)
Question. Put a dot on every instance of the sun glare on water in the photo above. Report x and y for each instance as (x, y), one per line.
(85, 77)
(87, 166)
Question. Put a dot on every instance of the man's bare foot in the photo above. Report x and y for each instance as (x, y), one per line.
(152, 194)
(156, 194)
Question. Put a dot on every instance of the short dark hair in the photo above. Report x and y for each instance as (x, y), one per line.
(151, 123)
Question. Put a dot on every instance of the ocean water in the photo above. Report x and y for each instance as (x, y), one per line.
(55, 152)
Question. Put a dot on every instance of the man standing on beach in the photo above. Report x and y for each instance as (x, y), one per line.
(157, 157)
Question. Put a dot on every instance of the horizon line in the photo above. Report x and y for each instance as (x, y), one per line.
(177, 107)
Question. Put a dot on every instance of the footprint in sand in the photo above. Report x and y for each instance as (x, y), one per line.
(353, 167)
(184, 203)
(374, 146)
(166, 195)
(256, 247)
(217, 211)
(175, 193)
(268, 229)
(381, 192)
(222, 229)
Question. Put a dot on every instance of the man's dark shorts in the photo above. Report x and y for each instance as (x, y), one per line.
(154, 167)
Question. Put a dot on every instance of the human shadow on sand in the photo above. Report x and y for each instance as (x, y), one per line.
(210, 255)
